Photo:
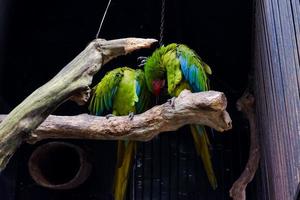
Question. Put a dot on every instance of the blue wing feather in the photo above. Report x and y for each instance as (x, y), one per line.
(137, 88)
(106, 100)
(192, 71)
(191, 74)
(141, 92)
(139, 104)
(184, 67)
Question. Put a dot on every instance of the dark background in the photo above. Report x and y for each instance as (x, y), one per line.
(38, 38)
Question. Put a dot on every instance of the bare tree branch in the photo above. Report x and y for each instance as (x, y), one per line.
(207, 108)
(71, 82)
(238, 189)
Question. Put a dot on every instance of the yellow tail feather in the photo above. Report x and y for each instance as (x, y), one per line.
(202, 147)
(124, 163)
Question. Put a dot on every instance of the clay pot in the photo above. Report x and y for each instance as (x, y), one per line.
(59, 165)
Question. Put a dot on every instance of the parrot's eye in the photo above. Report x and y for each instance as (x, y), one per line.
(119, 75)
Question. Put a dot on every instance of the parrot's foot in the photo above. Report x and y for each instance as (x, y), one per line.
(109, 116)
(172, 102)
(131, 116)
(142, 60)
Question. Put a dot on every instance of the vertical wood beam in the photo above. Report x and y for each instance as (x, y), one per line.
(277, 89)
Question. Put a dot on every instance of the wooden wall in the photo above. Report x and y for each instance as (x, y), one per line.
(277, 87)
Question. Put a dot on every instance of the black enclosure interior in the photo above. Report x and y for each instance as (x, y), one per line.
(39, 37)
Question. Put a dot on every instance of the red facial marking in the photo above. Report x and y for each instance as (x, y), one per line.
(157, 86)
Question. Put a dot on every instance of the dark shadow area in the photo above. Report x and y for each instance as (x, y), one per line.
(58, 165)
(43, 36)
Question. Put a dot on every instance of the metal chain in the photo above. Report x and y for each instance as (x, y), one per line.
(162, 22)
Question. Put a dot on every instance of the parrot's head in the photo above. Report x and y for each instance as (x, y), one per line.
(157, 85)
(155, 73)
(155, 80)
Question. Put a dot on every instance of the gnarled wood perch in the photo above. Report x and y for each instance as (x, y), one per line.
(71, 82)
(238, 189)
(207, 108)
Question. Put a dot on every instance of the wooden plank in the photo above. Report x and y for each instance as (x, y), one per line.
(260, 86)
(277, 95)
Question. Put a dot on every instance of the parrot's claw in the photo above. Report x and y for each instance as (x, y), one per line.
(141, 65)
(131, 116)
(109, 116)
(172, 102)
(142, 60)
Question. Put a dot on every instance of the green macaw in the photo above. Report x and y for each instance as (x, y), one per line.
(181, 68)
(122, 91)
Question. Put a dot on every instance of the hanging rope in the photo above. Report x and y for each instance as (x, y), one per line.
(162, 22)
(108, 4)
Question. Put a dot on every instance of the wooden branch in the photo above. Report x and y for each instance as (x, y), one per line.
(238, 189)
(207, 108)
(71, 82)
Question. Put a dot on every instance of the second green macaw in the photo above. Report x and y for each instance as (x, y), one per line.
(178, 67)
(122, 91)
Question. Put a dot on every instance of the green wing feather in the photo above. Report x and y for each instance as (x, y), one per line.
(126, 97)
(202, 145)
(103, 93)
(174, 74)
